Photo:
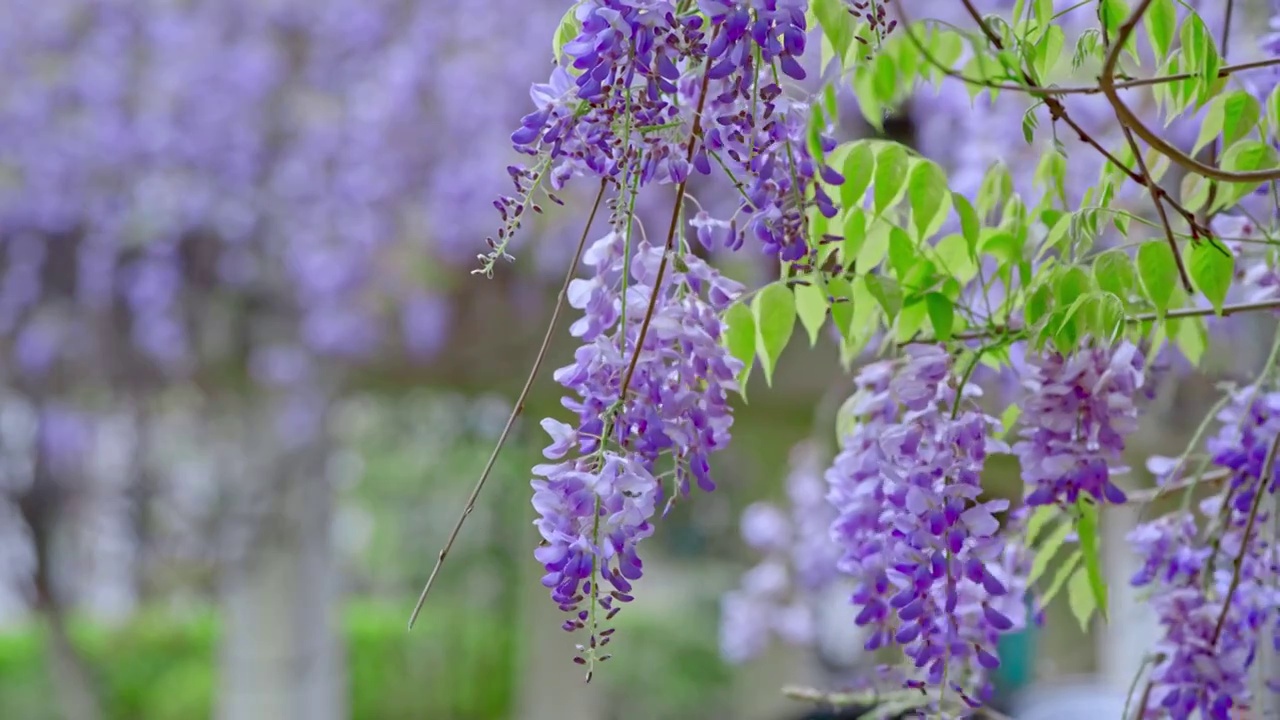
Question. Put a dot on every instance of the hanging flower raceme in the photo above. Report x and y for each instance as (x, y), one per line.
(929, 561)
(777, 596)
(597, 505)
(1215, 596)
(1080, 409)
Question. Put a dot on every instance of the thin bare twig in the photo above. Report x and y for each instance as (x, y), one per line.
(853, 699)
(1259, 492)
(1237, 309)
(1150, 182)
(515, 411)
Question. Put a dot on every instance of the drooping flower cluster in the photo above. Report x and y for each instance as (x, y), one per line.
(648, 95)
(1079, 410)
(671, 401)
(1215, 594)
(917, 536)
(777, 597)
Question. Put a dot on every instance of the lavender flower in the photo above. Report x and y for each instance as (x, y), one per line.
(1079, 410)
(777, 596)
(596, 506)
(918, 539)
(1212, 613)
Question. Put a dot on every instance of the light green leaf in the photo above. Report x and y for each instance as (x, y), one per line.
(1212, 268)
(941, 315)
(1245, 155)
(566, 31)
(1071, 283)
(1192, 339)
(1043, 515)
(1087, 530)
(1047, 550)
(836, 23)
(1161, 21)
(1273, 111)
(1159, 273)
(902, 253)
(855, 236)
(930, 199)
(1009, 418)
(891, 176)
(859, 167)
(969, 225)
(774, 310)
(1115, 273)
(740, 340)
(1048, 52)
(875, 247)
(910, 320)
(885, 78)
(887, 293)
(1201, 55)
(1232, 115)
(811, 307)
(1060, 576)
(842, 305)
(1080, 597)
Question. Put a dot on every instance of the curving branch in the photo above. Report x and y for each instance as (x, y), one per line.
(1109, 88)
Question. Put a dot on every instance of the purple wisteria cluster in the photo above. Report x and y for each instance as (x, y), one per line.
(777, 596)
(649, 94)
(636, 403)
(1215, 594)
(923, 546)
(1078, 411)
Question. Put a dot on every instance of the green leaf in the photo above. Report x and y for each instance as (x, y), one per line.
(1115, 273)
(1212, 268)
(1273, 111)
(1048, 52)
(1047, 550)
(855, 235)
(1159, 272)
(1080, 597)
(891, 176)
(887, 293)
(858, 169)
(566, 31)
(1008, 419)
(885, 78)
(740, 339)
(902, 253)
(1192, 339)
(969, 225)
(1072, 283)
(1201, 55)
(1060, 576)
(841, 305)
(1041, 518)
(1087, 531)
(1232, 115)
(1161, 21)
(811, 307)
(836, 24)
(930, 199)
(1246, 155)
(774, 310)
(941, 315)
(910, 320)
(875, 247)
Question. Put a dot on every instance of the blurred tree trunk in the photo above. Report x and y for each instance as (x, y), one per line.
(282, 656)
(41, 506)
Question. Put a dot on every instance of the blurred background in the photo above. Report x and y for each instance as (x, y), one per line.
(247, 381)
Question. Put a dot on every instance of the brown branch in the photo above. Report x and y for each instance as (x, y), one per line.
(1057, 111)
(1107, 82)
(1227, 310)
(1150, 182)
(1259, 492)
(1153, 494)
(858, 699)
(515, 411)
